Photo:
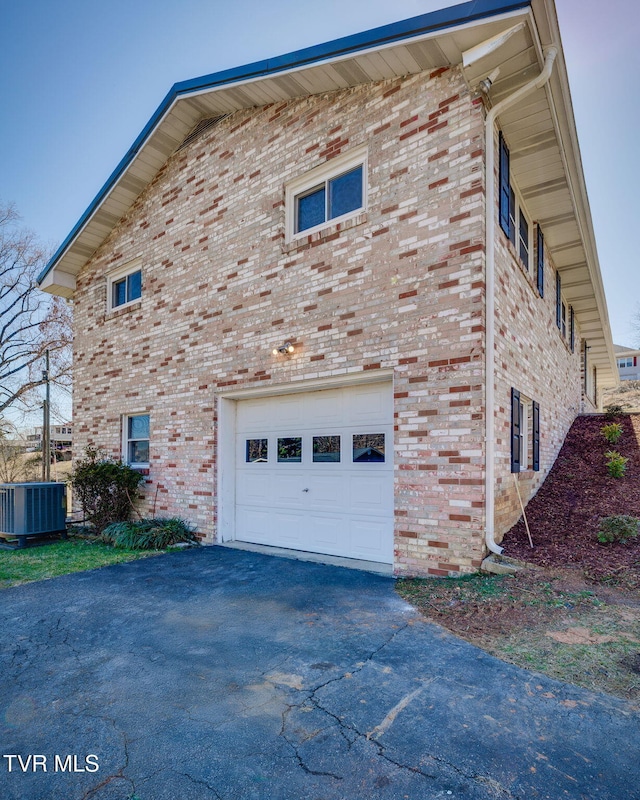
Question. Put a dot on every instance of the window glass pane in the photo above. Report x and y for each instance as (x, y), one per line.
(134, 286)
(326, 448)
(139, 427)
(368, 447)
(139, 452)
(524, 240)
(120, 292)
(290, 449)
(257, 450)
(310, 209)
(345, 193)
(512, 215)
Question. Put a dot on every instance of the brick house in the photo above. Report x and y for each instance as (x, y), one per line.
(302, 310)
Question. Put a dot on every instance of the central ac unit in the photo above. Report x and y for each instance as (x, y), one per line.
(32, 509)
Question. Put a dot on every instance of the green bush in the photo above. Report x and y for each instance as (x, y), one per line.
(613, 410)
(616, 464)
(106, 489)
(149, 534)
(612, 432)
(618, 528)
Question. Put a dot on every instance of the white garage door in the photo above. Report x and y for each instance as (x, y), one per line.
(315, 471)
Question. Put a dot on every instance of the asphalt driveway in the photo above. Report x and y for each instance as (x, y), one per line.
(215, 673)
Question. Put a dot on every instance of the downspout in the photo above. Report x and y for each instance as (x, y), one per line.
(490, 226)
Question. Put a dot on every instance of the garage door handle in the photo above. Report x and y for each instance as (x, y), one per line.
(305, 490)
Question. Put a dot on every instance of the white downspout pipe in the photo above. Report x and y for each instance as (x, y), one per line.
(490, 226)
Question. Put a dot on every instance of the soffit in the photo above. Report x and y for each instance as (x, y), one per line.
(546, 167)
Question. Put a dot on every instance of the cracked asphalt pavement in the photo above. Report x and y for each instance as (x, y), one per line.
(217, 673)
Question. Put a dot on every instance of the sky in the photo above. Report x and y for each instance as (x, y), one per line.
(79, 80)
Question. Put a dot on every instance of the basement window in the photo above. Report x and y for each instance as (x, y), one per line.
(525, 433)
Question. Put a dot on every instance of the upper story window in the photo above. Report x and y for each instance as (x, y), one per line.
(328, 194)
(540, 260)
(514, 220)
(124, 285)
(523, 239)
(572, 329)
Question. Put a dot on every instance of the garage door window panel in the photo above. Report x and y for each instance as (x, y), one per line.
(326, 449)
(257, 451)
(290, 450)
(368, 448)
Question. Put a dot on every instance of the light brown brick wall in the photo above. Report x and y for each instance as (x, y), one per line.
(401, 287)
(533, 357)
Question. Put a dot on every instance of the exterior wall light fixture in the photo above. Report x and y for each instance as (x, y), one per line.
(285, 349)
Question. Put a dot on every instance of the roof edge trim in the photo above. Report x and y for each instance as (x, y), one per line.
(376, 37)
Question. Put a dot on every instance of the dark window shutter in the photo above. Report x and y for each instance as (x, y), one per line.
(536, 435)
(540, 257)
(572, 329)
(504, 180)
(558, 301)
(515, 430)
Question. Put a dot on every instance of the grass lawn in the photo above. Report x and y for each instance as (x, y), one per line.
(549, 621)
(60, 558)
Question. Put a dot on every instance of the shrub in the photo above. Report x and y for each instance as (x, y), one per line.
(618, 528)
(106, 489)
(612, 432)
(616, 464)
(613, 410)
(149, 534)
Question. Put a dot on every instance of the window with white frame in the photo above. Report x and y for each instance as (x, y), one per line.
(523, 238)
(136, 440)
(330, 193)
(124, 285)
(514, 219)
(525, 433)
(625, 362)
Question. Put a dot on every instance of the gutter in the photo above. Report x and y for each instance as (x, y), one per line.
(490, 226)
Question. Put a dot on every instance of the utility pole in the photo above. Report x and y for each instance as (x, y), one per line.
(46, 425)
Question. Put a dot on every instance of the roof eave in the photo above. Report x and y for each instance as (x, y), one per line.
(435, 21)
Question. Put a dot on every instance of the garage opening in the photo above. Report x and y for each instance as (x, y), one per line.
(314, 471)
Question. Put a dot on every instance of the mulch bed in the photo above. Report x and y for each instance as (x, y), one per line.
(565, 513)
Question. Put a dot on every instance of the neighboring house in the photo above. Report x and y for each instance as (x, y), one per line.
(301, 309)
(61, 437)
(628, 361)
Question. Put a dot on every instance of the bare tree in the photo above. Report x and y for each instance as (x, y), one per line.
(31, 322)
(16, 464)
